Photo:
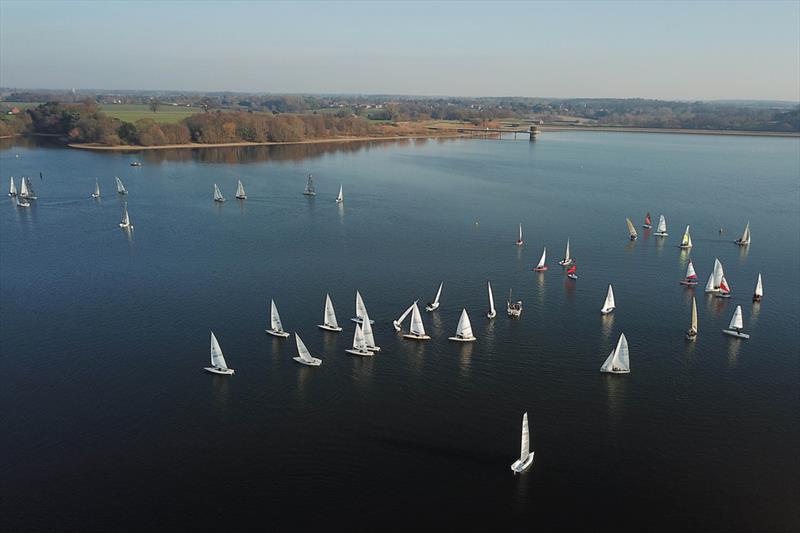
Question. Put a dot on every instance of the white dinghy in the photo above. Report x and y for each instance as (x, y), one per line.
(567, 258)
(513, 309)
(218, 364)
(661, 229)
(359, 343)
(715, 278)
(303, 355)
(120, 187)
(96, 193)
(399, 322)
(126, 223)
(686, 242)
(759, 292)
(23, 202)
(12, 189)
(275, 326)
(329, 322)
(434, 305)
(369, 337)
(361, 310)
(541, 266)
(525, 455)
(618, 361)
(492, 312)
(417, 329)
(631, 230)
(30, 194)
(309, 190)
(692, 333)
(218, 194)
(340, 196)
(463, 329)
(519, 238)
(240, 194)
(736, 326)
(609, 304)
(745, 238)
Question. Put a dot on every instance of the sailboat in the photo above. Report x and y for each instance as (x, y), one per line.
(275, 326)
(647, 222)
(303, 355)
(433, 306)
(736, 326)
(369, 337)
(12, 189)
(692, 333)
(691, 275)
(23, 202)
(492, 312)
(519, 239)
(399, 322)
(567, 258)
(463, 329)
(329, 322)
(30, 194)
(120, 187)
(724, 289)
(631, 229)
(609, 304)
(340, 196)
(525, 455)
(126, 219)
(361, 310)
(309, 190)
(513, 309)
(686, 242)
(715, 278)
(417, 330)
(541, 266)
(218, 364)
(745, 238)
(618, 360)
(96, 193)
(759, 292)
(218, 195)
(661, 230)
(240, 194)
(572, 272)
(359, 343)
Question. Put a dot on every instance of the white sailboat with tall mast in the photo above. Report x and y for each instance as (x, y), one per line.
(417, 329)
(240, 194)
(759, 292)
(340, 196)
(661, 229)
(26, 189)
(618, 361)
(96, 193)
(513, 309)
(736, 326)
(541, 266)
(609, 304)
(434, 305)
(519, 238)
(12, 188)
(369, 337)
(309, 190)
(304, 357)
(275, 326)
(399, 322)
(463, 329)
(692, 333)
(361, 310)
(218, 364)
(359, 343)
(492, 312)
(567, 257)
(631, 230)
(745, 238)
(525, 455)
(691, 275)
(329, 322)
(126, 223)
(715, 278)
(218, 194)
(120, 187)
(686, 242)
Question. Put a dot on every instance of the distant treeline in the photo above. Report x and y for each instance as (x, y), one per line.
(85, 123)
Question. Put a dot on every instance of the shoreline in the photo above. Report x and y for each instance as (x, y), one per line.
(129, 148)
(627, 129)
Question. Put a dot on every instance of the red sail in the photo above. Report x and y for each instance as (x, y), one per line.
(647, 219)
(572, 269)
(724, 288)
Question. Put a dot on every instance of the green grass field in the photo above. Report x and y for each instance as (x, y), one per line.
(134, 112)
(22, 105)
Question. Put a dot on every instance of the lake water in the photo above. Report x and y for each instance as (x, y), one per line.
(109, 421)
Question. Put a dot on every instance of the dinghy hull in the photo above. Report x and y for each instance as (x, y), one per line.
(688, 283)
(660, 234)
(462, 339)
(615, 371)
(690, 337)
(432, 307)
(572, 276)
(326, 327)
(219, 371)
(491, 315)
(539, 269)
(734, 333)
(606, 311)
(416, 337)
(353, 351)
(314, 361)
(274, 333)
(359, 320)
(520, 466)
(566, 263)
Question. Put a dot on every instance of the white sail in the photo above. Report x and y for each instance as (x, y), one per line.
(23, 188)
(662, 224)
(543, 258)
(464, 327)
(340, 196)
(330, 315)
(302, 351)
(217, 359)
(686, 242)
(492, 311)
(567, 258)
(12, 189)
(694, 315)
(745, 238)
(359, 341)
(361, 309)
(608, 305)
(525, 445)
(618, 360)
(120, 187)
(126, 219)
(309, 190)
(31, 194)
(520, 232)
(759, 288)
(405, 314)
(218, 195)
(438, 294)
(240, 191)
(417, 327)
(736, 321)
(96, 189)
(274, 317)
(710, 283)
(631, 229)
(690, 273)
(369, 337)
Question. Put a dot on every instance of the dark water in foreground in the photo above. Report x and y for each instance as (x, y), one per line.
(109, 422)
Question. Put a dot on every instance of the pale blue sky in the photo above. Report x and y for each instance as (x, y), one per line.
(669, 50)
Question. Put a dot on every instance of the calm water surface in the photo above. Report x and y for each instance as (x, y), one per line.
(109, 421)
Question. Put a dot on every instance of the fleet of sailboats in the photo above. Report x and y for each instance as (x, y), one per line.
(692, 333)
(661, 229)
(309, 190)
(120, 187)
(736, 326)
(463, 329)
(492, 312)
(359, 343)
(519, 237)
(525, 455)
(618, 361)
(329, 322)
(304, 357)
(541, 266)
(240, 194)
(218, 364)
(609, 304)
(759, 292)
(275, 325)
(691, 275)
(631, 230)
(686, 242)
(417, 329)
(434, 305)
(567, 257)
(218, 194)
